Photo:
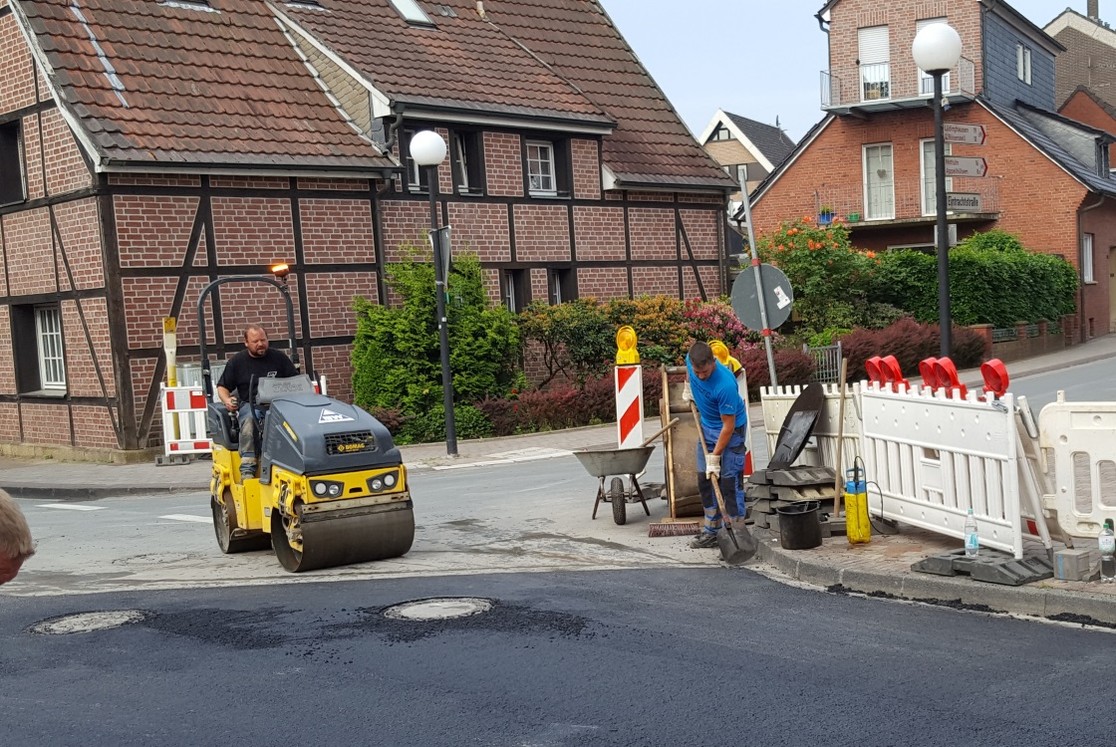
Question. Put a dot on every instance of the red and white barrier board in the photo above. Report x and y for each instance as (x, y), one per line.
(629, 406)
(184, 407)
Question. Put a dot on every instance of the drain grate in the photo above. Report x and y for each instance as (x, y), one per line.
(439, 608)
(87, 622)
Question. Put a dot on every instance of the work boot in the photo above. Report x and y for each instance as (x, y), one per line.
(704, 540)
(247, 470)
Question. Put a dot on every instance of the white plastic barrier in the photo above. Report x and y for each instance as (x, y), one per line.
(934, 458)
(822, 447)
(184, 414)
(1078, 441)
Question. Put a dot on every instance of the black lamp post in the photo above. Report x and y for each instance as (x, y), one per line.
(428, 149)
(936, 49)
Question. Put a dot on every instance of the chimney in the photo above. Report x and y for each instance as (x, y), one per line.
(1094, 10)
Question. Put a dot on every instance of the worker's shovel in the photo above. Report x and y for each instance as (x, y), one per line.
(737, 545)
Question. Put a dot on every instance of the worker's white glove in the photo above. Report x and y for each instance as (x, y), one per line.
(687, 395)
(713, 466)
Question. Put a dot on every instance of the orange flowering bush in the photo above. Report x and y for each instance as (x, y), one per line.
(829, 276)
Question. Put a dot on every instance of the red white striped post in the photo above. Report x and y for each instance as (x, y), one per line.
(628, 376)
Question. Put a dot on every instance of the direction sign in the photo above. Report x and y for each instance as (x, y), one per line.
(973, 134)
(964, 202)
(965, 166)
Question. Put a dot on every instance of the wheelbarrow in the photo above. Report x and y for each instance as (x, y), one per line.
(602, 462)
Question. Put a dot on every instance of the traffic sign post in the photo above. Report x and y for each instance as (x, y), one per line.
(965, 166)
(970, 134)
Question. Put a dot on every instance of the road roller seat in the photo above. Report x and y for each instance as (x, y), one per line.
(222, 426)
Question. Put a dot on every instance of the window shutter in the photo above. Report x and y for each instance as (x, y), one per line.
(873, 45)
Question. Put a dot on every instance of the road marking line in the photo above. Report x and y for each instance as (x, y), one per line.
(70, 506)
(188, 517)
(485, 463)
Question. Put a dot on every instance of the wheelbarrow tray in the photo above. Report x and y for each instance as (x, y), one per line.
(602, 462)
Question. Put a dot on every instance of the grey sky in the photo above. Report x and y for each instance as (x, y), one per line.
(756, 58)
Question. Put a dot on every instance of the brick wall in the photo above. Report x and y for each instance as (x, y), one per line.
(32, 157)
(28, 246)
(9, 422)
(703, 232)
(1083, 108)
(542, 234)
(652, 233)
(337, 231)
(599, 233)
(334, 362)
(586, 169)
(93, 427)
(330, 300)
(153, 231)
(82, 350)
(603, 283)
(253, 231)
(17, 84)
(900, 16)
(651, 281)
(406, 223)
(65, 169)
(481, 228)
(1088, 60)
(503, 164)
(45, 424)
(79, 231)
(1097, 315)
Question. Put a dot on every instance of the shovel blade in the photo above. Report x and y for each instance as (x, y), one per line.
(737, 545)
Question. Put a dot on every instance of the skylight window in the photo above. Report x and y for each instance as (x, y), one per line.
(411, 11)
(202, 5)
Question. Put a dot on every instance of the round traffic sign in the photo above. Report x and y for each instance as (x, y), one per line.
(778, 297)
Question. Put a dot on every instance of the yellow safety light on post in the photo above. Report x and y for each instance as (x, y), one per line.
(170, 347)
(721, 353)
(626, 353)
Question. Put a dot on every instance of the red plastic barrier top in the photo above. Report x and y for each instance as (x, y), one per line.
(996, 379)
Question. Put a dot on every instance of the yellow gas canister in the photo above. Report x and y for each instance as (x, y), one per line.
(858, 528)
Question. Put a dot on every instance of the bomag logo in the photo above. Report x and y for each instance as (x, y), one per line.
(345, 448)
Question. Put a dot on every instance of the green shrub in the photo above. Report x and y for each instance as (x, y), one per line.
(910, 342)
(397, 355)
(792, 367)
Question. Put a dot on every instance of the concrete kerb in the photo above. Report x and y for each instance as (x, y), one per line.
(1032, 600)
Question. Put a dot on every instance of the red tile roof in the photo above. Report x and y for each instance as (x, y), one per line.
(155, 83)
(195, 88)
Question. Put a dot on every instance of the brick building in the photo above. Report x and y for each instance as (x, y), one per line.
(871, 158)
(1089, 59)
(147, 148)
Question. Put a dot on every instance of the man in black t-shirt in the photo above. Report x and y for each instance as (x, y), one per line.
(256, 361)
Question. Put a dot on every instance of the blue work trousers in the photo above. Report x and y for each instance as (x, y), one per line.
(731, 482)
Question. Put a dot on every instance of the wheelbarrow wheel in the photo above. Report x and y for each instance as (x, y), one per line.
(618, 500)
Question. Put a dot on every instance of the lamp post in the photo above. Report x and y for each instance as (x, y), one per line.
(428, 149)
(936, 49)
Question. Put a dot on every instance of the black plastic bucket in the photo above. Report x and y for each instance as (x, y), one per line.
(799, 526)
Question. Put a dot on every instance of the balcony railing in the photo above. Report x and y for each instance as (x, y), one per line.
(904, 201)
(868, 86)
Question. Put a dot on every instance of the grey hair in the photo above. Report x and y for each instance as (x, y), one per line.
(15, 535)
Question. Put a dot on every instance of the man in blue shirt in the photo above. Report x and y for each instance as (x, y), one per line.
(724, 426)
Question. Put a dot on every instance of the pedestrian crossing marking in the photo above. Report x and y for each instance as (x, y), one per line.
(71, 506)
(188, 517)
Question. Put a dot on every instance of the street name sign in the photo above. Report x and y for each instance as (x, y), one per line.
(964, 202)
(971, 134)
(965, 166)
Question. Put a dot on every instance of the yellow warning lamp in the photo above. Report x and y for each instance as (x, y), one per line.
(626, 353)
(280, 270)
(721, 353)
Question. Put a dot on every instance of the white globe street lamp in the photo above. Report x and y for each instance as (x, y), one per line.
(428, 149)
(936, 49)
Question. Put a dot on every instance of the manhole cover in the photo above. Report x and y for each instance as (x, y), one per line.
(87, 622)
(439, 608)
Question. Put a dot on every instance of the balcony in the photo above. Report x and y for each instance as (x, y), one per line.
(868, 89)
(902, 204)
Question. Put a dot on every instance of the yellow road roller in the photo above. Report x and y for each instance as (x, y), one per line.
(330, 487)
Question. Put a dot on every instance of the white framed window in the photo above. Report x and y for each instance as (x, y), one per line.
(929, 174)
(879, 182)
(48, 339)
(1087, 258)
(563, 284)
(514, 287)
(926, 81)
(417, 176)
(411, 11)
(1023, 63)
(540, 168)
(468, 175)
(875, 69)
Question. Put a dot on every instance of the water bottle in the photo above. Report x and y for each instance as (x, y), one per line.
(972, 539)
(1107, 544)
